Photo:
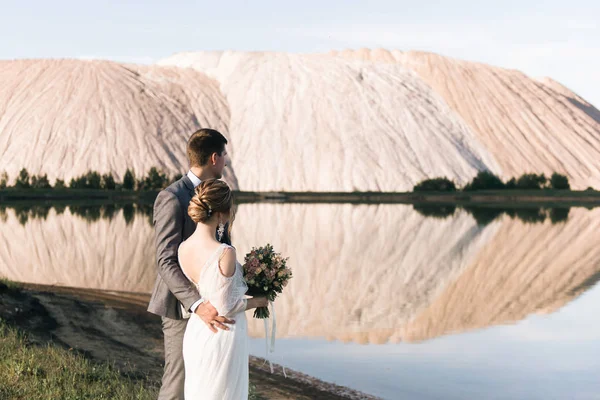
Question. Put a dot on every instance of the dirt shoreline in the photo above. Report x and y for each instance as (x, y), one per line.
(116, 328)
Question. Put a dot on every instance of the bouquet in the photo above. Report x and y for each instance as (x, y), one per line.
(266, 274)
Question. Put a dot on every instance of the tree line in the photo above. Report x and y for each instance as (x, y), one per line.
(153, 180)
(486, 180)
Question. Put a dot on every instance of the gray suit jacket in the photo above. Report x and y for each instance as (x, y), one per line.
(172, 225)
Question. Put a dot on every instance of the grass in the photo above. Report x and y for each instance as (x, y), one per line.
(40, 372)
(9, 284)
(52, 372)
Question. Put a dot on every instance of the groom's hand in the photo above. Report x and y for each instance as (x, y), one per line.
(211, 318)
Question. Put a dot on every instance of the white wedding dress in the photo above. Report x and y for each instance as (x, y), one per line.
(216, 364)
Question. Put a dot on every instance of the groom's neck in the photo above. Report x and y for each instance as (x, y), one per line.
(203, 173)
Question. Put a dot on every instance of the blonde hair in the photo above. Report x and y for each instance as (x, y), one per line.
(212, 196)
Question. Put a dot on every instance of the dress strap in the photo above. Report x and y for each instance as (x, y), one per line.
(218, 252)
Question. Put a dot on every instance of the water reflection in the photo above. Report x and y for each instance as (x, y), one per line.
(485, 214)
(363, 273)
(78, 247)
(89, 212)
(93, 212)
(373, 274)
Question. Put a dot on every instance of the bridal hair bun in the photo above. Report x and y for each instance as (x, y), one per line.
(212, 196)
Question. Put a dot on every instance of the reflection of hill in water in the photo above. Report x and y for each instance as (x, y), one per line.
(362, 273)
(406, 277)
(526, 268)
(68, 250)
(358, 268)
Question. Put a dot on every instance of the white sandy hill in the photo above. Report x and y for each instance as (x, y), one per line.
(322, 123)
(364, 120)
(527, 125)
(64, 117)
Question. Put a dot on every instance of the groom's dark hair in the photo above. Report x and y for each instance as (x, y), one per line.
(202, 144)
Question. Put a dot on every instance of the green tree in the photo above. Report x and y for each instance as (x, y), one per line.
(3, 180)
(129, 180)
(531, 181)
(59, 184)
(93, 180)
(23, 180)
(559, 182)
(485, 180)
(435, 185)
(511, 184)
(108, 182)
(78, 182)
(40, 182)
(155, 180)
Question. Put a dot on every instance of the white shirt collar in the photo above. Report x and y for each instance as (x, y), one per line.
(195, 180)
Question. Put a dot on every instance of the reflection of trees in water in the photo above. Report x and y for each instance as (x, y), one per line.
(94, 212)
(559, 214)
(24, 212)
(484, 215)
(89, 212)
(435, 211)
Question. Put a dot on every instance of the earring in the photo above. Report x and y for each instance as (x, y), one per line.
(220, 231)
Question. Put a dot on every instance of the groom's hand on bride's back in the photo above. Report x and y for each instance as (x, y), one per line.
(211, 317)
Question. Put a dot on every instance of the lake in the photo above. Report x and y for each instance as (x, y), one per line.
(393, 300)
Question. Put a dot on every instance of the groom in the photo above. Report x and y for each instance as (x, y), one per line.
(174, 296)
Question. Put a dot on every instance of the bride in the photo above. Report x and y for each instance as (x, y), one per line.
(216, 364)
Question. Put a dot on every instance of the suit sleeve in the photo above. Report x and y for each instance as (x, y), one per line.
(168, 230)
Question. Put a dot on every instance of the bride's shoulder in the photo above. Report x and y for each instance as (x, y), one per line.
(227, 249)
(228, 261)
(228, 246)
(182, 246)
(190, 242)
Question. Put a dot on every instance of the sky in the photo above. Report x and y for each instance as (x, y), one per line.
(559, 39)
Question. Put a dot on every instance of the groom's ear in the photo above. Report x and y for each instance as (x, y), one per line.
(213, 159)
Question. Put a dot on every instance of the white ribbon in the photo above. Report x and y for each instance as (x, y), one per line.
(271, 349)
